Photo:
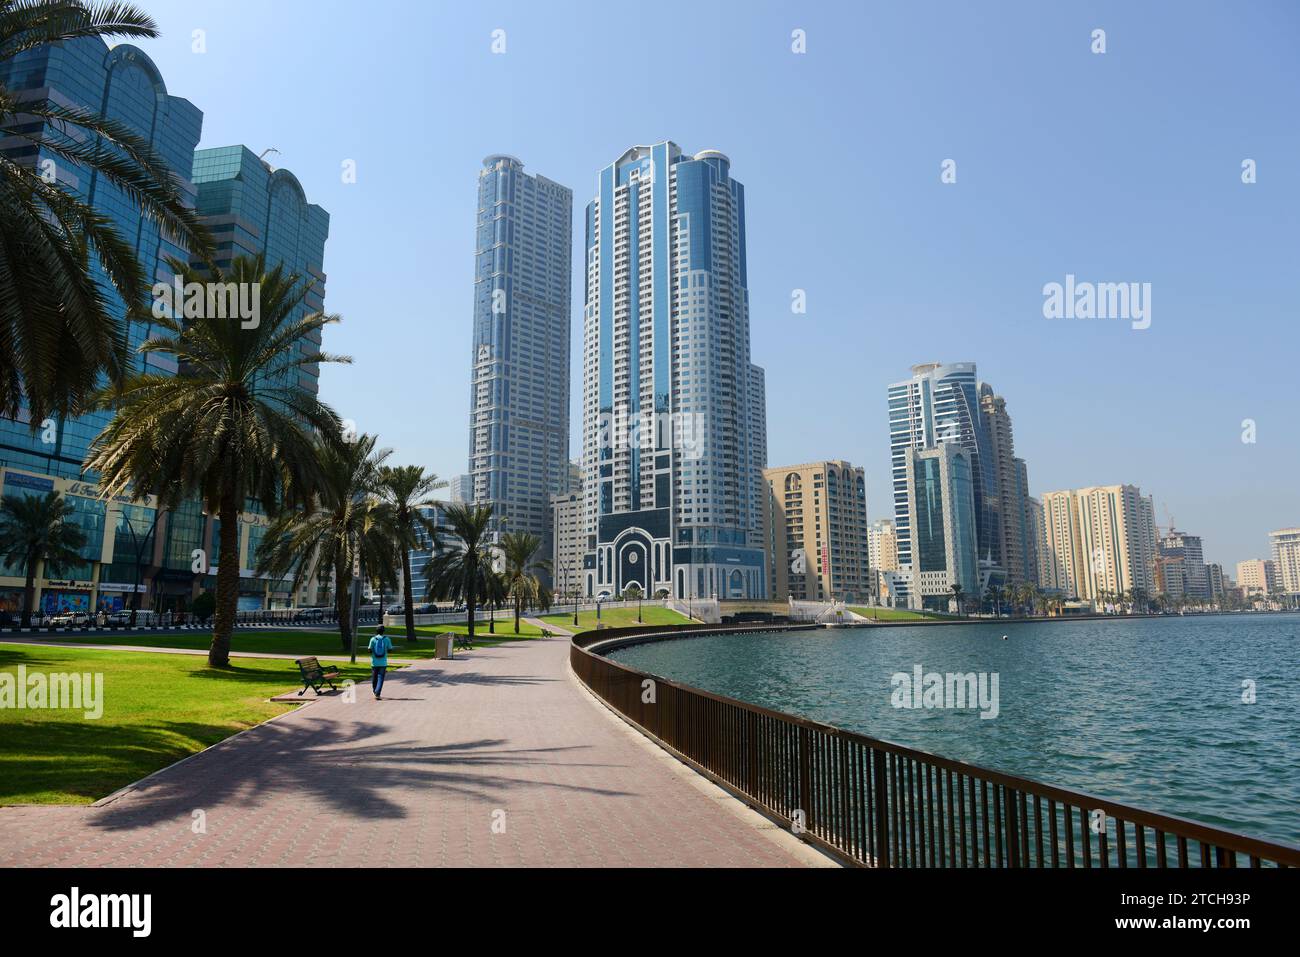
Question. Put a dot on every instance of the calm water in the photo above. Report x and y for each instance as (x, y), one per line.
(1148, 712)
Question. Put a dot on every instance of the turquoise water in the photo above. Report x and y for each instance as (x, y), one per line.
(1148, 712)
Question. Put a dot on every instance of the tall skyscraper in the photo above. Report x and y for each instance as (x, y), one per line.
(1286, 560)
(1008, 493)
(1099, 541)
(940, 404)
(817, 522)
(519, 392)
(940, 485)
(253, 209)
(672, 440)
(1037, 537)
(123, 84)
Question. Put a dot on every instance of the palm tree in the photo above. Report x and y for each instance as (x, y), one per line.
(956, 595)
(994, 598)
(60, 256)
(35, 528)
(494, 595)
(346, 529)
(460, 572)
(232, 425)
(522, 585)
(406, 488)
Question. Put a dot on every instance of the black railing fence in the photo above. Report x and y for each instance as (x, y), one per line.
(883, 805)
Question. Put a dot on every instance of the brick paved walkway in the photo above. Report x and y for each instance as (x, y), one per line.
(500, 735)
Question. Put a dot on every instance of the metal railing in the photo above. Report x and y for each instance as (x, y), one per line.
(879, 804)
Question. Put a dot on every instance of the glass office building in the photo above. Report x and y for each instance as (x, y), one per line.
(124, 85)
(253, 209)
(250, 208)
(519, 385)
(940, 404)
(942, 537)
(673, 435)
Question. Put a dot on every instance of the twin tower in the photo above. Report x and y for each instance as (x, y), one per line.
(674, 413)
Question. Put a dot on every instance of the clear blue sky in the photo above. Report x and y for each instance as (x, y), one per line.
(1117, 167)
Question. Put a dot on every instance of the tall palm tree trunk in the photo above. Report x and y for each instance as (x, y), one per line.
(471, 606)
(29, 591)
(410, 605)
(227, 583)
(343, 603)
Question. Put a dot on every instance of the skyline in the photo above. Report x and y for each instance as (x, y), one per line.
(944, 265)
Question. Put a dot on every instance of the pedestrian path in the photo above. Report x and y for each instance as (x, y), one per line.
(494, 758)
(363, 656)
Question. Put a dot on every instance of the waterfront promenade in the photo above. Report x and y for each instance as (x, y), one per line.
(495, 758)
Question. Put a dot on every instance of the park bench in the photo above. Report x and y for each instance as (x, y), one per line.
(462, 641)
(314, 676)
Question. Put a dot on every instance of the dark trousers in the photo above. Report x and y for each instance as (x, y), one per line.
(377, 673)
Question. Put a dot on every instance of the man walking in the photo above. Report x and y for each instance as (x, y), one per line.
(380, 645)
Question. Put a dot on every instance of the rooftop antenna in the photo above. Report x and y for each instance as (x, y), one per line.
(262, 156)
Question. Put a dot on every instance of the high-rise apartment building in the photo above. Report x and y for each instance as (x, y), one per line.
(1008, 493)
(1218, 582)
(460, 489)
(817, 524)
(1036, 536)
(569, 542)
(673, 442)
(940, 485)
(1286, 559)
(1257, 577)
(519, 391)
(882, 545)
(1099, 541)
(940, 404)
(1187, 553)
(882, 556)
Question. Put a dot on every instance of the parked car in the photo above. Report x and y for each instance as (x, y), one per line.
(65, 619)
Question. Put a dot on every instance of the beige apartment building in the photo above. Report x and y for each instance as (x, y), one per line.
(1286, 558)
(816, 530)
(1257, 577)
(1098, 540)
(568, 538)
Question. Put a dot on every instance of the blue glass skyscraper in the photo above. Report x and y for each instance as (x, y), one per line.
(940, 404)
(253, 209)
(674, 442)
(123, 84)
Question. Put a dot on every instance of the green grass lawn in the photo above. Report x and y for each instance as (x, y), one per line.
(156, 710)
(618, 617)
(894, 614)
(306, 642)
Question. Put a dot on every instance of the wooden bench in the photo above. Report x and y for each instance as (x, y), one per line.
(314, 676)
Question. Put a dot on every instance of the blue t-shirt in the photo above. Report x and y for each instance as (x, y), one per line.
(379, 646)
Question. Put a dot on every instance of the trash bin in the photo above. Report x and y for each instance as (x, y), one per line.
(443, 646)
